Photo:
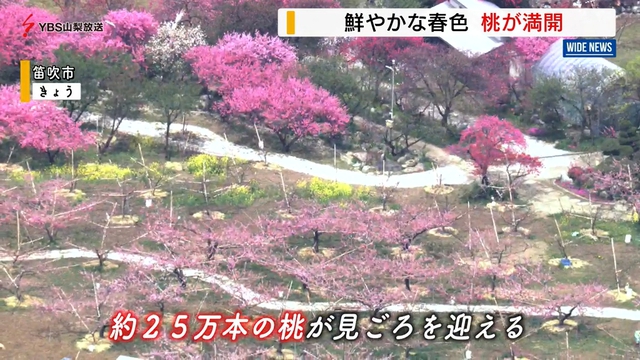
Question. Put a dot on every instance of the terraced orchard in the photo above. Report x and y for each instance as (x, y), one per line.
(209, 234)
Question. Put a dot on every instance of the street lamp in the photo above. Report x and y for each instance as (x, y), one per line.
(389, 123)
(393, 85)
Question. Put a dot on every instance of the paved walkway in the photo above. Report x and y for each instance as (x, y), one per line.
(546, 198)
(251, 298)
(452, 174)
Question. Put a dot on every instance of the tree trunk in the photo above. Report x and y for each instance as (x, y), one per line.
(407, 284)
(316, 241)
(445, 117)
(51, 155)
(167, 155)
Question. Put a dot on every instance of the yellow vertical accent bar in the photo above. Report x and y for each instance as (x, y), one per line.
(291, 22)
(25, 80)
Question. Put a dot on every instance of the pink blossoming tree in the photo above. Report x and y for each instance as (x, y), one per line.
(44, 210)
(132, 31)
(39, 125)
(37, 45)
(532, 49)
(241, 60)
(292, 108)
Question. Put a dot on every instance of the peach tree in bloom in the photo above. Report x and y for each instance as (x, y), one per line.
(131, 32)
(37, 46)
(39, 125)
(292, 108)
(239, 60)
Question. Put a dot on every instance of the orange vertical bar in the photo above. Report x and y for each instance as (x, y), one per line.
(291, 22)
(25, 80)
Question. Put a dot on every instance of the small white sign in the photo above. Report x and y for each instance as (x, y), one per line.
(148, 202)
(627, 239)
(56, 91)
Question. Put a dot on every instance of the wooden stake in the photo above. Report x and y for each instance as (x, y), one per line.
(204, 185)
(284, 191)
(73, 173)
(335, 160)
(146, 171)
(33, 185)
(615, 265)
(260, 142)
(18, 228)
(171, 208)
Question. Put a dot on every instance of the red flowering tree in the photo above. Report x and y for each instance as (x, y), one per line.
(292, 108)
(40, 125)
(491, 141)
(376, 54)
(37, 45)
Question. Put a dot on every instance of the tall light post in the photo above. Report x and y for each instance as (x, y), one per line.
(389, 123)
(393, 88)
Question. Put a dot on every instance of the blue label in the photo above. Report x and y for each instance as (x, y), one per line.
(583, 48)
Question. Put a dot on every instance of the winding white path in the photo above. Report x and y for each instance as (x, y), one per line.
(451, 174)
(252, 298)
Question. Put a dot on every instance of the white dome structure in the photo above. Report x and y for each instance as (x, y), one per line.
(553, 64)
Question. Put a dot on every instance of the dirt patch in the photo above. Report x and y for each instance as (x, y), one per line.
(439, 189)
(554, 327)
(524, 251)
(413, 252)
(307, 252)
(575, 263)
(34, 336)
(447, 232)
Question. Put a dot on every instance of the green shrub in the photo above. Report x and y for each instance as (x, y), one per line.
(325, 190)
(59, 171)
(212, 165)
(23, 175)
(625, 151)
(145, 142)
(239, 196)
(610, 146)
(106, 171)
(364, 193)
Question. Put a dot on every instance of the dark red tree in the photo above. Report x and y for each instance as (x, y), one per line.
(491, 141)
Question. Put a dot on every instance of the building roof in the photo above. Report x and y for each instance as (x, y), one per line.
(470, 44)
(553, 64)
